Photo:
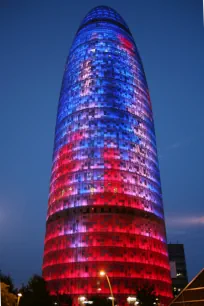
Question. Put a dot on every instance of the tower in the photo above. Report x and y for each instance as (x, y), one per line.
(105, 209)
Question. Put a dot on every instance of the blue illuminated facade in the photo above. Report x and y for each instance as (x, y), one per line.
(105, 207)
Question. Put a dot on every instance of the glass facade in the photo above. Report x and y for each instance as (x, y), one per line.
(105, 207)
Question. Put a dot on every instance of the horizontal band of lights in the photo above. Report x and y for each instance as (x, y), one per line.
(105, 207)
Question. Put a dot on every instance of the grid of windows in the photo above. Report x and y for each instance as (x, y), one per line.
(105, 206)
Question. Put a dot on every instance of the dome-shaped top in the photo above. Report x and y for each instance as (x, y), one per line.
(104, 13)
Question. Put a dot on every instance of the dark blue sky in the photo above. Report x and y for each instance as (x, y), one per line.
(35, 40)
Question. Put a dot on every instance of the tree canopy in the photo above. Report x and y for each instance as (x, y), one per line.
(35, 293)
(101, 300)
(7, 279)
(146, 296)
(7, 298)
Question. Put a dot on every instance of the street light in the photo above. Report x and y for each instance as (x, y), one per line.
(19, 296)
(103, 273)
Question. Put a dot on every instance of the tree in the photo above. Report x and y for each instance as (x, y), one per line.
(62, 300)
(7, 298)
(146, 296)
(6, 279)
(35, 293)
(101, 300)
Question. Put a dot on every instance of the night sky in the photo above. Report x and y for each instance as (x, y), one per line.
(35, 40)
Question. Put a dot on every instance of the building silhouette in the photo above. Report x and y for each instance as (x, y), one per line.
(105, 209)
(178, 267)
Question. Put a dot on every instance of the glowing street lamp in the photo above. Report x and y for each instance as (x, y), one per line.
(103, 273)
(19, 296)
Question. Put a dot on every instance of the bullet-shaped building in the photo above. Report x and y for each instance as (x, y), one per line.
(105, 209)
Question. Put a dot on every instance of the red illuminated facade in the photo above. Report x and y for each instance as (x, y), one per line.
(105, 209)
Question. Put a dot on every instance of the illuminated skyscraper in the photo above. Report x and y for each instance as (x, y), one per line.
(105, 207)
